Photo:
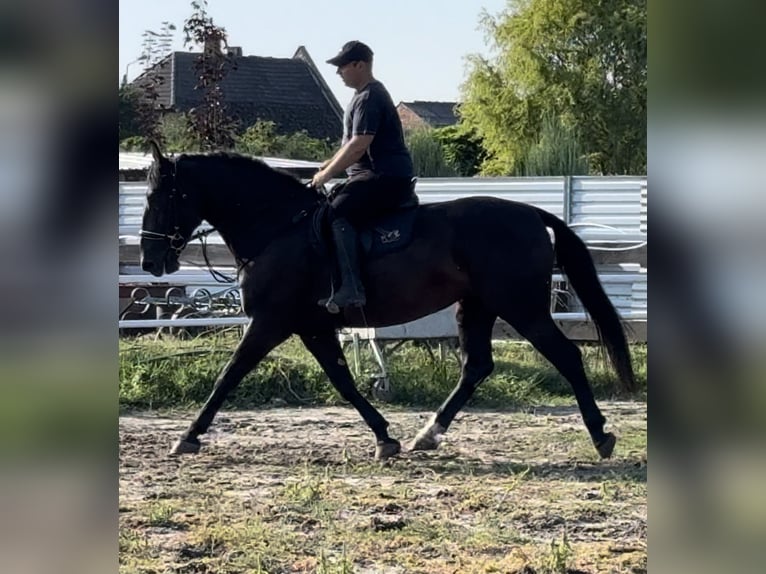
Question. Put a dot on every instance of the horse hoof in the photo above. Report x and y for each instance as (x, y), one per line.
(387, 449)
(606, 446)
(428, 438)
(423, 443)
(186, 446)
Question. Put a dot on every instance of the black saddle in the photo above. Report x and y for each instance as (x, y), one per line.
(387, 234)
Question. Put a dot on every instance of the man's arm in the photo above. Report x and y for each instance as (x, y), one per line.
(348, 154)
(345, 156)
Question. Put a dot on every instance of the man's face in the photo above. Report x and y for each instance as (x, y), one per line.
(350, 73)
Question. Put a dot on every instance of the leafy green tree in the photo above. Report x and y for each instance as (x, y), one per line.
(140, 111)
(462, 148)
(583, 61)
(129, 101)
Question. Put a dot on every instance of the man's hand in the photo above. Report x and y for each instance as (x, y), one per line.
(320, 178)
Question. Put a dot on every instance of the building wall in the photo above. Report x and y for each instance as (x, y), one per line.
(410, 119)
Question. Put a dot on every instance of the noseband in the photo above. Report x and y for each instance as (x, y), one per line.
(175, 241)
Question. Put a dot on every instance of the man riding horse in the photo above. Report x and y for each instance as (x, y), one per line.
(376, 159)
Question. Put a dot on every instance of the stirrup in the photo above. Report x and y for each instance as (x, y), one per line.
(330, 305)
(329, 302)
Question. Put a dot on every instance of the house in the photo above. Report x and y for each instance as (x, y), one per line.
(427, 114)
(288, 91)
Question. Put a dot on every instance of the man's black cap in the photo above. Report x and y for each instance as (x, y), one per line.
(354, 51)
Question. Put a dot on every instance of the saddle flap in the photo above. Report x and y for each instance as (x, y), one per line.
(391, 232)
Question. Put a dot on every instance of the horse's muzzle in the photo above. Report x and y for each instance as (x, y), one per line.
(151, 267)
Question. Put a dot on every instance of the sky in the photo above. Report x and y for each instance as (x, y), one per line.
(419, 45)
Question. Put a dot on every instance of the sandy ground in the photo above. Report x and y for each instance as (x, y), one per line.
(505, 492)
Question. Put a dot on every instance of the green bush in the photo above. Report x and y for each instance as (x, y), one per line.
(262, 139)
(133, 143)
(428, 156)
(177, 134)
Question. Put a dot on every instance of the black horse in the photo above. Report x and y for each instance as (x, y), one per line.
(494, 257)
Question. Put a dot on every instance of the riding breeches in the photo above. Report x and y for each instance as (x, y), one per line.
(366, 196)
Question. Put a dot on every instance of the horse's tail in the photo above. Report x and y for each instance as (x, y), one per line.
(575, 260)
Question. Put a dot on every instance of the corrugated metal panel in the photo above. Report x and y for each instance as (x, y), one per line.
(606, 208)
(644, 211)
(623, 283)
(600, 210)
(617, 207)
(639, 294)
(132, 201)
(543, 192)
(134, 160)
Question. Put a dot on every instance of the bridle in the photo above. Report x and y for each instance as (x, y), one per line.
(176, 241)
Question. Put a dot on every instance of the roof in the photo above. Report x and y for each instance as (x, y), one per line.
(436, 114)
(288, 91)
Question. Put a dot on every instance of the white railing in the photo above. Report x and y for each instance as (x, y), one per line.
(608, 213)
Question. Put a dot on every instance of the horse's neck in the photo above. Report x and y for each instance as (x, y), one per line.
(246, 209)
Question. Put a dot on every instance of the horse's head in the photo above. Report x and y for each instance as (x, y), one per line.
(170, 216)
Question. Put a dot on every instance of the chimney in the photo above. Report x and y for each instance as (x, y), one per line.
(235, 51)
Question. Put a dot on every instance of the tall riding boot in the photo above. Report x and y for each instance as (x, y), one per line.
(351, 292)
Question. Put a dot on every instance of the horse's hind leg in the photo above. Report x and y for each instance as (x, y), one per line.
(540, 330)
(475, 334)
(328, 353)
(259, 339)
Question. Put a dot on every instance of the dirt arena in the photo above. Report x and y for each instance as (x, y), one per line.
(287, 490)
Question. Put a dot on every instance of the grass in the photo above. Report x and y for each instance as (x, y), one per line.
(428, 157)
(170, 372)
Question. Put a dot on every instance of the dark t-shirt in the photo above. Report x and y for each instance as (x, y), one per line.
(372, 112)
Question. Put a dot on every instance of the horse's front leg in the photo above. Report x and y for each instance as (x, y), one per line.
(259, 339)
(328, 353)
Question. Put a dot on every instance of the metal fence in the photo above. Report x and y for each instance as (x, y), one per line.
(608, 213)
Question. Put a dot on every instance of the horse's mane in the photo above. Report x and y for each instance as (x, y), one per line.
(258, 168)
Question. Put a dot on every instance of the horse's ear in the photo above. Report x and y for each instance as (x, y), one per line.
(156, 152)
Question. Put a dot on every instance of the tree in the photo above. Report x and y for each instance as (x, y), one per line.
(139, 109)
(129, 101)
(462, 148)
(581, 61)
(156, 45)
(210, 122)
